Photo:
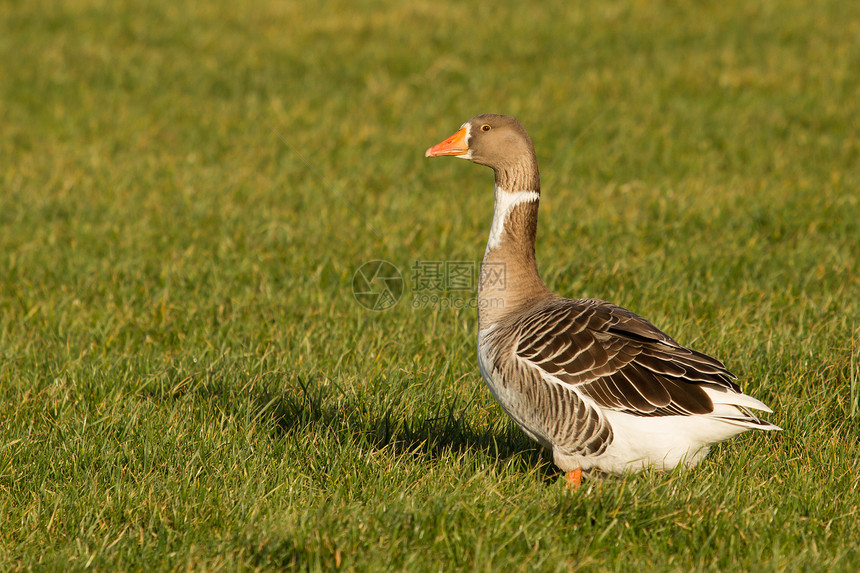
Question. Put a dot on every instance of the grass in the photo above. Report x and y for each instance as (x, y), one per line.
(186, 191)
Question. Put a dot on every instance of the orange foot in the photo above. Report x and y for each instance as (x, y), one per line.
(574, 479)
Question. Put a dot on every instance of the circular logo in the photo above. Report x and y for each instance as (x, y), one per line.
(377, 285)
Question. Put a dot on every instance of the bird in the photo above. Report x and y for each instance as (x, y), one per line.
(600, 387)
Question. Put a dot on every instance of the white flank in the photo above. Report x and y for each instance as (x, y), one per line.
(505, 202)
(663, 442)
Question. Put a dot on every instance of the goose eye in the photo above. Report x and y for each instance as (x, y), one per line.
(485, 127)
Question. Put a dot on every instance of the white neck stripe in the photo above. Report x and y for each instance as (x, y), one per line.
(505, 203)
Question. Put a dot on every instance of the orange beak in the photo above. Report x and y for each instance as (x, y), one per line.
(454, 145)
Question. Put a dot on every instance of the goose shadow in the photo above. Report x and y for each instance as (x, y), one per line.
(303, 406)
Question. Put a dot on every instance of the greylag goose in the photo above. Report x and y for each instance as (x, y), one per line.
(599, 386)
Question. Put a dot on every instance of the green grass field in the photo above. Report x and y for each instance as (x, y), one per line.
(186, 190)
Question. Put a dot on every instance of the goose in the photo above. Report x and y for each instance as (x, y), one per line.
(599, 386)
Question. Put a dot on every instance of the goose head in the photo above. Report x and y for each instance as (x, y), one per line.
(497, 141)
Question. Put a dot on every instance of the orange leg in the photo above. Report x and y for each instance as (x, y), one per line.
(574, 479)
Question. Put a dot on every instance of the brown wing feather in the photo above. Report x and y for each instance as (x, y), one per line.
(618, 359)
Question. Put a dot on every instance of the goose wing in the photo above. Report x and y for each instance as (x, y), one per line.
(618, 359)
